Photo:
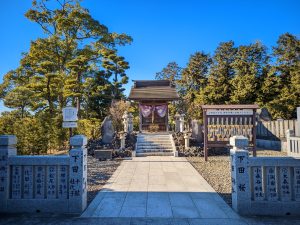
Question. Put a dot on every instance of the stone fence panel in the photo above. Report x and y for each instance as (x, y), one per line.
(274, 130)
(56, 184)
(264, 185)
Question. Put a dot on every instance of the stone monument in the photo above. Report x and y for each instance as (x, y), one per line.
(107, 130)
(197, 132)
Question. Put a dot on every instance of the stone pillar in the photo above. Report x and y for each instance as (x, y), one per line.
(289, 133)
(297, 129)
(241, 196)
(7, 148)
(122, 138)
(130, 123)
(125, 121)
(78, 174)
(187, 136)
(179, 122)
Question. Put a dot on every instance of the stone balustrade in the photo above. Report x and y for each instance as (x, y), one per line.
(56, 184)
(293, 144)
(263, 185)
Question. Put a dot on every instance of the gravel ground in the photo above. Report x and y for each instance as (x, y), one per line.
(216, 171)
(98, 173)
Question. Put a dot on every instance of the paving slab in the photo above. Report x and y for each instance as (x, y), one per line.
(159, 187)
(38, 219)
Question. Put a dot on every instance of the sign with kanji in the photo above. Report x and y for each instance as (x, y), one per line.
(70, 114)
(224, 121)
(70, 117)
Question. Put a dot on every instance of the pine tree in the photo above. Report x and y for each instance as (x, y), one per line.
(248, 65)
(287, 69)
(56, 66)
(194, 80)
(171, 72)
(116, 66)
(218, 87)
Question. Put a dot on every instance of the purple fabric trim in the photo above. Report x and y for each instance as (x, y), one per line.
(161, 110)
(146, 110)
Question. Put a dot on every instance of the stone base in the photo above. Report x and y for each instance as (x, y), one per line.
(271, 145)
(133, 154)
(103, 154)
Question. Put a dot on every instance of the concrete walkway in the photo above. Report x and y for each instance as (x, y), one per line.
(160, 187)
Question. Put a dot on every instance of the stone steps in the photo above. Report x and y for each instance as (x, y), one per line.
(154, 145)
(140, 154)
(153, 140)
(156, 150)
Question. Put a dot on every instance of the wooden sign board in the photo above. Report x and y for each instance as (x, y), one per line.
(224, 121)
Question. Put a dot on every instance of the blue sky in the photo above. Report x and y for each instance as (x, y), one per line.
(163, 31)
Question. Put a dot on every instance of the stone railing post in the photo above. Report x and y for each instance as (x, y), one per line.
(122, 138)
(297, 130)
(289, 134)
(7, 148)
(241, 196)
(187, 136)
(78, 174)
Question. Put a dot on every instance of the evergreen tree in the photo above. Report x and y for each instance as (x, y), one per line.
(249, 64)
(194, 80)
(171, 72)
(116, 66)
(287, 69)
(218, 87)
(97, 95)
(59, 68)
(56, 66)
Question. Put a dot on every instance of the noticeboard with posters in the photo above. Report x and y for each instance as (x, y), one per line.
(224, 121)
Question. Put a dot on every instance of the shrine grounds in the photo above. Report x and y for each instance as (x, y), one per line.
(216, 172)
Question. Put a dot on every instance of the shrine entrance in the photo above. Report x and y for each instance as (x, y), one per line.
(153, 97)
(153, 116)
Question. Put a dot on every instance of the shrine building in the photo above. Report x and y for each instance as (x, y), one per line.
(153, 97)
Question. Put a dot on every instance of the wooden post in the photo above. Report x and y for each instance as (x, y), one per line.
(254, 132)
(205, 135)
(167, 118)
(141, 119)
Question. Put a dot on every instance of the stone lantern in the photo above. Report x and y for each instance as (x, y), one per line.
(122, 138)
(125, 121)
(179, 122)
(130, 123)
(187, 135)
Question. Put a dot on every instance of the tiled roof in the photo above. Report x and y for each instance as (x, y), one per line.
(153, 90)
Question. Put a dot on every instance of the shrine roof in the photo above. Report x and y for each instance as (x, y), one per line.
(153, 90)
(254, 106)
